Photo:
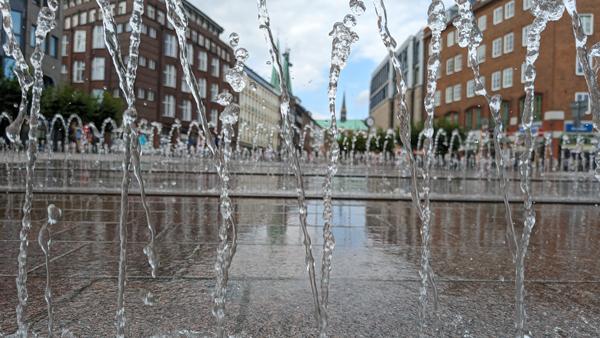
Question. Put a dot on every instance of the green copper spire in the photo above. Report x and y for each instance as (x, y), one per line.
(286, 70)
(274, 78)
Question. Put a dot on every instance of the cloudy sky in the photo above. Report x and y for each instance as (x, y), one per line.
(303, 26)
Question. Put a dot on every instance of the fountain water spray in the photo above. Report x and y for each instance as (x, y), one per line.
(436, 22)
(54, 214)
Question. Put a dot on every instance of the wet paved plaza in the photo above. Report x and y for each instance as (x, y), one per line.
(374, 286)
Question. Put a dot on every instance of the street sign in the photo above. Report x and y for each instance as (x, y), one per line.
(578, 109)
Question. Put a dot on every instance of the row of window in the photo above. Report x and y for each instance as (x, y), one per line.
(500, 79)
(48, 48)
(151, 12)
(194, 35)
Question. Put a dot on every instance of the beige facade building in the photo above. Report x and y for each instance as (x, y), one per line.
(382, 104)
(259, 105)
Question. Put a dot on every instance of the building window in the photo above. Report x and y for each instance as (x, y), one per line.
(507, 78)
(457, 92)
(190, 53)
(526, 30)
(128, 27)
(150, 96)
(214, 67)
(583, 97)
(202, 87)
(160, 17)
(144, 29)
(64, 45)
(504, 113)
(497, 47)
(509, 40)
(449, 66)
(98, 37)
(63, 69)
(151, 64)
(509, 10)
(92, 15)
(75, 19)
(116, 93)
(481, 54)
(225, 70)
(526, 4)
(195, 36)
(579, 66)
(78, 71)
(79, 42)
(477, 118)
(458, 63)
(498, 15)
(214, 114)
(141, 94)
(587, 23)
(202, 61)
(169, 106)
(184, 86)
(98, 69)
(438, 73)
(186, 110)
(482, 23)
(151, 12)
(469, 119)
(496, 81)
(449, 94)
(142, 61)
(68, 23)
(450, 39)
(523, 72)
(122, 7)
(438, 98)
(119, 28)
(32, 37)
(82, 18)
(470, 88)
(53, 46)
(170, 76)
(170, 45)
(214, 90)
(152, 33)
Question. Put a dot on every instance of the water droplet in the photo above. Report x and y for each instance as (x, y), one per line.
(241, 54)
(358, 7)
(234, 38)
(268, 63)
(349, 21)
(264, 107)
(105, 88)
(54, 214)
(253, 86)
(230, 114)
(224, 99)
(16, 105)
(501, 278)
(237, 79)
(147, 297)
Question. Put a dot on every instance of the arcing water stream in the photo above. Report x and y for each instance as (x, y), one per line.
(469, 37)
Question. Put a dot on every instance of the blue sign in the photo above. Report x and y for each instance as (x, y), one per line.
(584, 127)
(534, 128)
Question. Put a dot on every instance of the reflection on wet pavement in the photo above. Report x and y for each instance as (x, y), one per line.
(375, 268)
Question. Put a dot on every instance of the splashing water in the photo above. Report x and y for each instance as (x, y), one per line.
(127, 75)
(54, 214)
(358, 7)
(436, 22)
(264, 24)
(45, 23)
(343, 37)
(234, 39)
(543, 11)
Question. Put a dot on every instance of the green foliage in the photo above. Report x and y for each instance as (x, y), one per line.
(67, 100)
(10, 94)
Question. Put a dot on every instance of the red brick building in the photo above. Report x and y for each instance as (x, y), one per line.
(504, 24)
(161, 92)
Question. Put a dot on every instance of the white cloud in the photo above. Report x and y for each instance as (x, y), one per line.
(362, 98)
(304, 25)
